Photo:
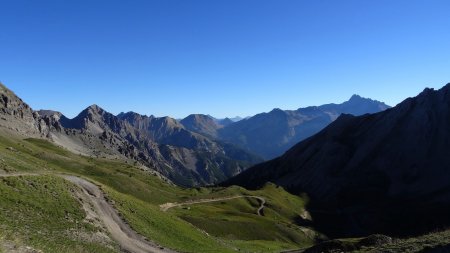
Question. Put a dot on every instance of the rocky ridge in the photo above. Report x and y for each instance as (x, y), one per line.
(159, 144)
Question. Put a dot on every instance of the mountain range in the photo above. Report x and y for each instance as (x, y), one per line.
(158, 144)
(197, 150)
(377, 173)
(271, 134)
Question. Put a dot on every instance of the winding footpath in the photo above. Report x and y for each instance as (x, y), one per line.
(259, 211)
(121, 232)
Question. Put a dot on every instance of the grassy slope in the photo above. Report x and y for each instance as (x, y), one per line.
(236, 220)
(41, 212)
(137, 195)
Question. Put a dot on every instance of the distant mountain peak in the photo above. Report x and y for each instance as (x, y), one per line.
(201, 116)
(226, 121)
(95, 108)
(270, 134)
(357, 97)
(359, 101)
(201, 123)
(277, 111)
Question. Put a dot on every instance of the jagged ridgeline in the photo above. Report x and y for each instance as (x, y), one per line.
(158, 144)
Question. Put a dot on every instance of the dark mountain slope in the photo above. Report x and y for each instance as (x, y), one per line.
(387, 172)
(271, 134)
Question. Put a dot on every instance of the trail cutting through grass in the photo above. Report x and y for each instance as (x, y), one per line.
(127, 238)
(259, 211)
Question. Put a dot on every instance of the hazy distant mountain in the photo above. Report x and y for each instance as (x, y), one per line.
(237, 118)
(381, 173)
(162, 144)
(271, 134)
(205, 124)
(225, 122)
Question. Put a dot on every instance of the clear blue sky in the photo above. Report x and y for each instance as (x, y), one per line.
(220, 57)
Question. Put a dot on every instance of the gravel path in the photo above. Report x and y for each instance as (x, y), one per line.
(167, 206)
(127, 238)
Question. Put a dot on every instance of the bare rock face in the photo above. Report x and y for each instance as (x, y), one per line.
(17, 115)
(381, 173)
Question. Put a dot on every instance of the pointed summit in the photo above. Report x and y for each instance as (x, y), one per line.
(202, 124)
(95, 108)
(356, 97)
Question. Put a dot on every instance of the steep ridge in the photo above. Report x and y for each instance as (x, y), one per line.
(17, 115)
(380, 173)
(271, 134)
(160, 144)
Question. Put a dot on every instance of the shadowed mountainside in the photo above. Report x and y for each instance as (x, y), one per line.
(380, 173)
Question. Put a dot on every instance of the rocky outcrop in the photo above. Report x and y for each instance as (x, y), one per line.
(17, 115)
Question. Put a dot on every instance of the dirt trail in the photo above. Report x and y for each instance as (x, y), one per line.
(167, 206)
(127, 238)
(18, 174)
